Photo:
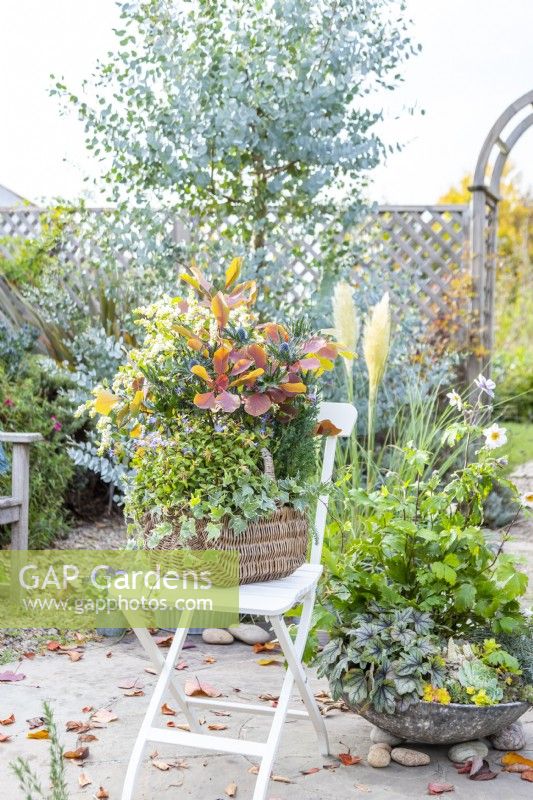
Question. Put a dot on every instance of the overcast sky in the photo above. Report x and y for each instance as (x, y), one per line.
(477, 57)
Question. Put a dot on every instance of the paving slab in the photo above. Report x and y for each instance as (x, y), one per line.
(94, 681)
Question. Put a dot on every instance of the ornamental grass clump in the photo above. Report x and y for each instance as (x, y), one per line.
(199, 403)
(376, 344)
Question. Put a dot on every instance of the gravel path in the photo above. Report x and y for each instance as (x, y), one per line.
(109, 533)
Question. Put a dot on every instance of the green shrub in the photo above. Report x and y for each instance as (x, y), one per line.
(33, 401)
(514, 377)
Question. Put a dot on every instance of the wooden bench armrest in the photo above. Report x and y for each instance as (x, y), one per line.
(20, 438)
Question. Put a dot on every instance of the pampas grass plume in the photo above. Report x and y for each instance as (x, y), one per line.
(376, 342)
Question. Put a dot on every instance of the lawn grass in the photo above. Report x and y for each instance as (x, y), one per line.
(519, 447)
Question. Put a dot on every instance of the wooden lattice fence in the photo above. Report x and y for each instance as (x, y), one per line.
(417, 250)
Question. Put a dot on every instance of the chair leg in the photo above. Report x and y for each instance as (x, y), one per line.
(165, 677)
(158, 660)
(293, 652)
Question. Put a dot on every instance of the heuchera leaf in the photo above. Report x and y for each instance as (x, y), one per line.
(233, 271)
(258, 354)
(206, 400)
(220, 309)
(202, 373)
(257, 404)
(294, 388)
(228, 402)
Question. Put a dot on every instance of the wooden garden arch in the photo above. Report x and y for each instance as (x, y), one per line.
(501, 139)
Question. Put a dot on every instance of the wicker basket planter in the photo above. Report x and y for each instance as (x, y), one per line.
(271, 547)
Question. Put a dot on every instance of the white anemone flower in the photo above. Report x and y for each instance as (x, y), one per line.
(495, 436)
(527, 500)
(454, 400)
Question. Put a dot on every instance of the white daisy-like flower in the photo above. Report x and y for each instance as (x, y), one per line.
(527, 499)
(454, 400)
(495, 436)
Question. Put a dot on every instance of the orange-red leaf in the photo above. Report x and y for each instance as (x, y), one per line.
(8, 720)
(220, 309)
(80, 752)
(348, 760)
(326, 428)
(166, 709)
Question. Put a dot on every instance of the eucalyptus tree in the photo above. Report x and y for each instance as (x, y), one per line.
(248, 116)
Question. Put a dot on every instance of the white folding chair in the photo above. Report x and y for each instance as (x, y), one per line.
(271, 600)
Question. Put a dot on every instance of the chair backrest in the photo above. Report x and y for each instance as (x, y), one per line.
(343, 416)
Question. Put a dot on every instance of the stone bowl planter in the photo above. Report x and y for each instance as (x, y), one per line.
(434, 723)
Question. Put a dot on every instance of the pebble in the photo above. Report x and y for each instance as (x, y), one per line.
(409, 758)
(217, 636)
(250, 634)
(378, 756)
(510, 738)
(464, 751)
(381, 736)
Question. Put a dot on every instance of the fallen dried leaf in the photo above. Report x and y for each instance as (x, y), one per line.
(77, 726)
(171, 724)
(102, 794)
(194, 687)
(362, 787)
(150, 670)
(527, 776)
(30, 654)
(217, 726)
(266, 647)
(183, 726)
(162, 765)
(83, 779)
(35, 722)
(79, 752)
(332, 767)
(53, 645)
(181, 665)
(481, 771)
(87, 737)
(108, 654)
(310, 771)
(209, 660)
(86, 709)
(4, 737)
(8, 720)
(130, 683)
(515, 758)
(348, 760)
(269, 697)
(104, 715)
(166, 709)
(254, 769)
(267, 662)
(280, 779)
(11, 677)
(231, 789)
(164, 641)
(134, 693)
(221, 713)
(440, 788)
(42, 734)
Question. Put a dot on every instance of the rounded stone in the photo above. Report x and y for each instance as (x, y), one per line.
(510, 738)
(217, 636)
(378, 756)
(250, 634)
(381, 736)
(464, 751)
(409, 758)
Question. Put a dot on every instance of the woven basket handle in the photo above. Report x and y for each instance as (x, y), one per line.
(268, 463)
